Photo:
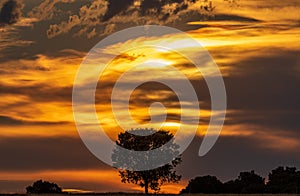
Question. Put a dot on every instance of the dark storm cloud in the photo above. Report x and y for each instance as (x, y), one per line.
(36, 154)
(11, 11)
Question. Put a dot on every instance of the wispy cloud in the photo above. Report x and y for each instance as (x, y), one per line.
(10, 37)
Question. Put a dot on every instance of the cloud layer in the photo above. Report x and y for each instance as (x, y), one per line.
(101, 14)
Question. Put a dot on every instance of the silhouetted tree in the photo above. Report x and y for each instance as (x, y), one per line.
(251, 182)
(141, 140)
(247, 182)
(232, 186)
(41, 186)
(283, 180)
(298, 182)
(204, 184)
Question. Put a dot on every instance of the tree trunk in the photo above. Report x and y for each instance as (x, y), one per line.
(146, 189)
(146, 185)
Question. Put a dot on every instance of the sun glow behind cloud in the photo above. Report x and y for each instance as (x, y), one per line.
(63, 69)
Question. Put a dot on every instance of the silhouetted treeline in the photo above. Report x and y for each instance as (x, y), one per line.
(280, 180)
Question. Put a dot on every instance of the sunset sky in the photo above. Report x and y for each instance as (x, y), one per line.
(255, 43)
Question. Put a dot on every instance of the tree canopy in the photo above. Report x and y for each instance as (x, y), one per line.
(247, 182)
(146, 140)
(284, 180)
(204, 184)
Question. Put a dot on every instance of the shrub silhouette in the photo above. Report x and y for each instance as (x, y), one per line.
(41, 186)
